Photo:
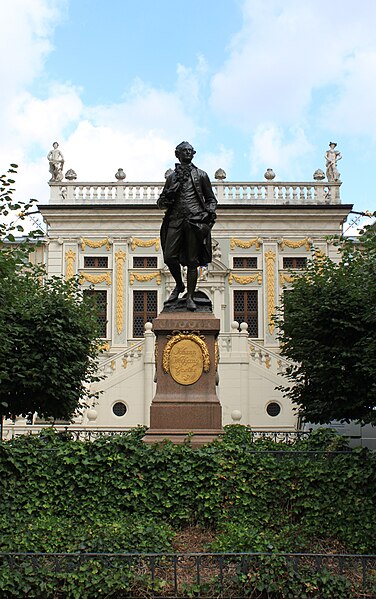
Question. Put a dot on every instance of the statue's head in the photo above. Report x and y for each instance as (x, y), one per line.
(184, 152)
(332, 144)
(55, 145)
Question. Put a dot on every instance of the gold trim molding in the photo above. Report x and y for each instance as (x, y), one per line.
(245, 244)
(244, 279)
(135, 276)
(198, 339)
(145, 243)
(270, 261)
(294, 244)
(120, 256)
(95, 279)
(95, 244)
(70, 258)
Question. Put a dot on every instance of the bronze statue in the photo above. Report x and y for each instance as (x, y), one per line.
(185, 233)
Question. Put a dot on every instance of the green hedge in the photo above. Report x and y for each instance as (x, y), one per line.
(118, 494)
(121, 479)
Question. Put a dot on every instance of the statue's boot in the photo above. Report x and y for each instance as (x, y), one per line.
(191, 304)
(175, 292)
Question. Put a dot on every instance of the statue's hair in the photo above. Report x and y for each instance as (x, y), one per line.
(182, 144)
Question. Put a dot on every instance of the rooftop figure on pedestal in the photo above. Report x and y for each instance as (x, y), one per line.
(56, 160)
(332, 156)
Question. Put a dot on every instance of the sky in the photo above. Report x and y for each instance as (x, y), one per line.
(252, 84)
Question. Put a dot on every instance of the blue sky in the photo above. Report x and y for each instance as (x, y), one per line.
(251, 83)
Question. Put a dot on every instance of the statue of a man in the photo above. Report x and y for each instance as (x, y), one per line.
(56, 160)
(185, 233)
(332, 156)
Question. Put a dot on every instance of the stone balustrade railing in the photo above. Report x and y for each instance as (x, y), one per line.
(227, 192)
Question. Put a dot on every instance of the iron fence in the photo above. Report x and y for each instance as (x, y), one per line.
(91, 434)
(204, 575)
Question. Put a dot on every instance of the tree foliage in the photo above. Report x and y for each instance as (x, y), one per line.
(328, 331)
(48, 330)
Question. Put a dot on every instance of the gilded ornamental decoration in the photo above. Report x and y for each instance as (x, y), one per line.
(244, 279)
(95, 244)
(245, 244)
(294, 244)
(143, 277)
(270, 260)
(284, 278)
(70, 258)
(145, 243)
(95, 279)
(186, 357)
(119, 259)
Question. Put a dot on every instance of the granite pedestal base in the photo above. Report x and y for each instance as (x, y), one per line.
(185, 406)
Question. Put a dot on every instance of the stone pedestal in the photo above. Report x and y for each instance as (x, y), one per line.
(185, 405)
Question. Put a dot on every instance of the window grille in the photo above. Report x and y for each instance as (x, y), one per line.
(145, 262)
(245, 262)
(294, 262)
(119, 409)
(246, 310)
(95, 262)
(100, 299)
(144, 310)
(273, 408)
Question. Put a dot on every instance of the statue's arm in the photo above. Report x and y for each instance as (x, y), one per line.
(166, 198)
(210, 199)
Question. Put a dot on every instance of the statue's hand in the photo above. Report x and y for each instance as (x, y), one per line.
(211, 217)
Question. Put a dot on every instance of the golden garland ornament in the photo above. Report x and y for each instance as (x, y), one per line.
(244, 279)
(294, 244)
(135, 276)
(284, 278)
(95, 244)
(245, 244)
(95, 279)
(145, 243)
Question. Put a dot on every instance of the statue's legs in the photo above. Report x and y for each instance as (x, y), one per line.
(191, 286)
(175, 271)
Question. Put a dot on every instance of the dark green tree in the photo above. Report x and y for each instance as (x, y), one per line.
(48, 329)
(327, 328)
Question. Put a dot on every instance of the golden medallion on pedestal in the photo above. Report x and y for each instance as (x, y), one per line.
(186, 357)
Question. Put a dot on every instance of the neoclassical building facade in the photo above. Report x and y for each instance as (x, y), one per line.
(108, 234)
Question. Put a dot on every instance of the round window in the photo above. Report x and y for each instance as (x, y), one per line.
(119, 408)
(273, 408)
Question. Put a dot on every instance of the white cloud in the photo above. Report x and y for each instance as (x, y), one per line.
(284, 153)
(351, 108)
(96, 152)
(289, 51)
(25, 40)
